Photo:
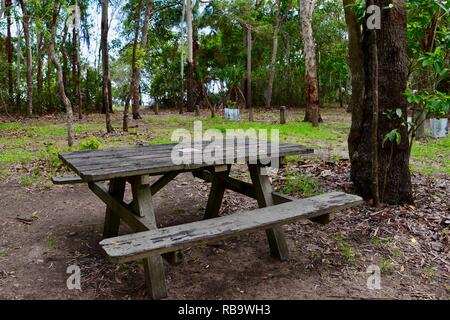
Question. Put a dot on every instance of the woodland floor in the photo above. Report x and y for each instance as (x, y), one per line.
(45, 229)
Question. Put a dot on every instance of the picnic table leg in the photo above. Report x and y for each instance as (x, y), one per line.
(153, 266)
(112, 220)
(263, 190)
(216, 195)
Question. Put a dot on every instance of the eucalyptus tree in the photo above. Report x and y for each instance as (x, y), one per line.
(26, 21)
(392, 143)
(105, 63)
(53, 23)
(312, 113)
(9, 49)
(273, 60)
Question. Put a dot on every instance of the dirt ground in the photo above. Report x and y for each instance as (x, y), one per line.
(43, 232)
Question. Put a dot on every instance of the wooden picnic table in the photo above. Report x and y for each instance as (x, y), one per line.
(135, 165)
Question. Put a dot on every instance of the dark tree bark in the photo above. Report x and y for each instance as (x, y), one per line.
(59, 73)
(9, 50)
(190, 57)
(393, 159)
(356, 64)
(372, 97)
(29, 57)
(40, 49)
(105, 63)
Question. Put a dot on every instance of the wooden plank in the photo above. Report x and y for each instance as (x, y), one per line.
(104, 165)
(125, 211)
(153, 266)
(232, 184)
(263, 189)
(149, 149)
(68, 179)
(137, 246)
(117, 161)
(112, 220)
(280, 198)
(153, 168)
(163, 181)
(216, 194)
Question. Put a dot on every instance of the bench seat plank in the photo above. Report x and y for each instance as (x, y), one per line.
(145, 244)
(69, 179)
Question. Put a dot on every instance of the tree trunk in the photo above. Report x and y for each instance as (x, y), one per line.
(249, 98)
(312, 85)
(142, 48)
(77, 72)
(40, 77)
(18, 65)
(105, 63)
(372, 98)
(190, 43)
(29, 58)
(393, 158)
(274, 55)
(9, 51)
(134, 85)
(356, 64)
(59, 73)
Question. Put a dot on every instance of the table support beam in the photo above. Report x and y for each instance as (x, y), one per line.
(163, 181)
(112, 221)
(153, 266)
(216, 194)
(263, 190)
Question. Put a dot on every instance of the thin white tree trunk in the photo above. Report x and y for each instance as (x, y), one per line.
(29, 58)
(249, 99)
(59, 73)
(311, 82)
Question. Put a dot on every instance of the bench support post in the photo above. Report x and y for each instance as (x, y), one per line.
(263, 190)
(112, 220)
(153, 266)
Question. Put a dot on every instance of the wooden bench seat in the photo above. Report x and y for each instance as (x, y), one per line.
(156, 242)
(68, 179)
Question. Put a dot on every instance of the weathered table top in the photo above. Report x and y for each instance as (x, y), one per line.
(103, 165)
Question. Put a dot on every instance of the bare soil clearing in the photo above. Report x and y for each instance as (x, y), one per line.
(44, 232)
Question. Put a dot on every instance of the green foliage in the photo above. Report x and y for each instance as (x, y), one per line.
(436, 103)
(392, 136)
(90, 143)
(344, 246)
(298, 183)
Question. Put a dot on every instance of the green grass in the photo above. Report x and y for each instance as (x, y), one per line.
(432, 157)
(28, 141)
(293, 132)
(298, 183)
